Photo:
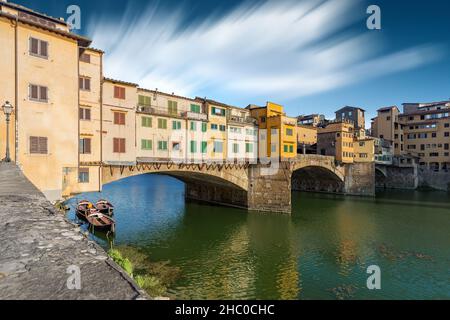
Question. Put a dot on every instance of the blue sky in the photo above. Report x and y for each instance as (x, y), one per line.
(312, 56)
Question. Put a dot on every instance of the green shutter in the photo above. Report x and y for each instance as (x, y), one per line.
(146, 144)
(204, 126)
(193, 146)
(193, 126)
(147, 122)
(291, 148)
(285, 148)
(248, 147)
(204, 147)
(195, 108)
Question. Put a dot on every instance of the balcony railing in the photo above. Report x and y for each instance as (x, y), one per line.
(169, 113)
(243, 120)
(195, 115)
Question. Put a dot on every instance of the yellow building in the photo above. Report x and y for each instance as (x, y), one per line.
(90, 117)
(119, 122)
(306, 136)
(364, 150)
(336, 139)
(39, 63)
(278, 136)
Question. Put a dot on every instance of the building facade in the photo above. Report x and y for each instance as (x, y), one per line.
(353, 114)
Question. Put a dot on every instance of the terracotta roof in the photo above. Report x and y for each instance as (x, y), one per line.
(166, 94)
(217, 103)
(387, 108)
(419, 112)
(121, 82)
(82, 41)
(351, 108)
(28, 10)
(95, 49)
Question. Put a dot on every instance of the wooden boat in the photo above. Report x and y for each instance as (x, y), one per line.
(100, 221)
(105, 207)
(83, 209)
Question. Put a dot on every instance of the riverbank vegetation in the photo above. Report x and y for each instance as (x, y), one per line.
(154, 277)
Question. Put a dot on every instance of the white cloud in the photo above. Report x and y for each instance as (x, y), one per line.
(274, 50)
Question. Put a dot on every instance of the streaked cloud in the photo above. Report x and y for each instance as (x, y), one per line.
(275, 50)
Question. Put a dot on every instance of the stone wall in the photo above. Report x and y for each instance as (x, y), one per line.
(216, 194)
(392, 177)
(360, 179)
(269, 192)
(436, 180)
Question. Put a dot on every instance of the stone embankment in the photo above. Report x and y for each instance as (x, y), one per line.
(41, 251)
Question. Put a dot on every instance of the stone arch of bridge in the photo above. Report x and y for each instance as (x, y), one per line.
(233, 177)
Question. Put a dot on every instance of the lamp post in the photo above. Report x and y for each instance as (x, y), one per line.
(7, 110)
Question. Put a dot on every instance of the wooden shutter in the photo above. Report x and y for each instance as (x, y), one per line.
(87, 114)
(122, 145)
(80, 83)
(34, 145)
(43, 149)
(122, 93)
(43, 93)
(34, 92)
(116, 92)
(116, 118)
(44, 48)
(115, 145)
(87, 145)
(87, 84)
(34, 45)
(85, 58)
(81, 113)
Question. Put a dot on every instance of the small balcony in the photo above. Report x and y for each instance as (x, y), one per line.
(194, 116)
(241, 120)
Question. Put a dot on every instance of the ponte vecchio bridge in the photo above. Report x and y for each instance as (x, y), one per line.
(256, 187)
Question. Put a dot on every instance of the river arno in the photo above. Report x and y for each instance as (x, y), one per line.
(320, 252)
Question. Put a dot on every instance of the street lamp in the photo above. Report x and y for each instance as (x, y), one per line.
(7, 110)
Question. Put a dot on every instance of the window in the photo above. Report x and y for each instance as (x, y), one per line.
(38, 48)
(289, 132)
(83, 175)
(388, 118)
(446, 146)
(446, 134)
(162, 145)
(176, 146)
(193, 146)
(222, 128)
(248, 147)
(217, 111)
(273, 147)
(146, 144)
(172, 107)
(38, 93)
(286, 148)
(263, 119)
(85, 83)
(433, 135)
(176, 125)
(146, 122)
(204, 126)
(119, 145)
(235, 130)
(119, 118)
(162, 123)
(195, 108)
(85, 114)
(235, 148)
(144, 100)
(214, 126)
(204, 147)
(119, 92)
(193, 126)
(85, 146)
(85, 58)
(218, 147)
(38, 145)
(434, 154)
(447, 125)
(291, 148)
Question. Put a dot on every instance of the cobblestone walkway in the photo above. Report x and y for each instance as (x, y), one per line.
(38, 245)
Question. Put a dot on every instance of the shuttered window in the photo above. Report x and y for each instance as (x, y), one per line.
(38, 48)
(193, 146)
(119, 145)
(146, 144)
(176, 125)
(85, 83)
(193, 126)
(204, 146)
(235, 148)
(146, 122)
(85, 114)
(144, 100)
(119, 92)
(195, 108)
(248, 147)
(162, 123)
(204, 126)
(38, 145)
(83, 175)
(85, 58)
(38, 93)
(85, 146)
(173, 107)
(162, 145)
(119, 118)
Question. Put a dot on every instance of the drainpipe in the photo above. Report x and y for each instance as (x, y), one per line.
(16, 93)
(100, 182)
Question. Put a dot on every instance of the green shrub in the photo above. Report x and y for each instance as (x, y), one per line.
(124, 263)
(151, 285)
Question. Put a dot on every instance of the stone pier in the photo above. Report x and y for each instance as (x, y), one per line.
(38, 246)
